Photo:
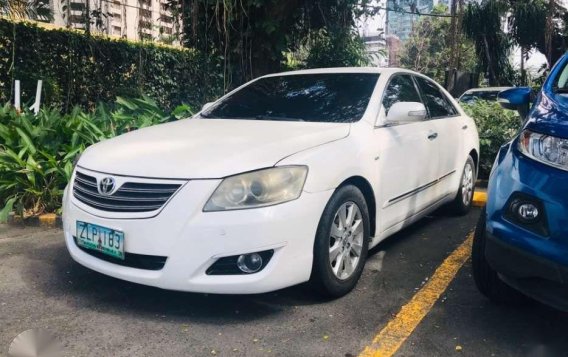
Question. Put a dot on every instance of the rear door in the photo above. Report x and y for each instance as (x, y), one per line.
(445, 121)
(408, 162)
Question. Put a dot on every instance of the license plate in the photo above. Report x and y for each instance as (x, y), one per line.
(105, 240)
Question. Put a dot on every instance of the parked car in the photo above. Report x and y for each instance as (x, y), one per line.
(290, 178)
(489, 94)
(520, 247)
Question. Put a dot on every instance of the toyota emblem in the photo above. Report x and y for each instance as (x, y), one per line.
(106, 185)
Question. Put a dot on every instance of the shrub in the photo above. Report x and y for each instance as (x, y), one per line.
(82, 70)
(496, 126)
(37, 151)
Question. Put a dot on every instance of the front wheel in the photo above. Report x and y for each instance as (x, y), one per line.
(341, 243)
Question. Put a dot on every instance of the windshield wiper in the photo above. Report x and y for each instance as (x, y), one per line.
(271, 117)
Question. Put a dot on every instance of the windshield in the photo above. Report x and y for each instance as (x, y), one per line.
(561, 82)
(330, 97)
(473, 96)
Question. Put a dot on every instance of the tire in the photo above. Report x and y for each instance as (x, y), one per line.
(464, 198)
(486, 279)
(335, 277)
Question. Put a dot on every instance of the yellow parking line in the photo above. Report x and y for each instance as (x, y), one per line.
(390, 338)
(479, 198)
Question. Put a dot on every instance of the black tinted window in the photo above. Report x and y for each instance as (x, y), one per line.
(400, 89)
(436, 102)
(470, 98)
(337, 97)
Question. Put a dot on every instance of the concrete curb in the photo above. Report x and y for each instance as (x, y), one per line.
(48, 220)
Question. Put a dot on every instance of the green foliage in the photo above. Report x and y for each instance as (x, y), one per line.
(322, 48)
(482, 25)
(83, 70)
(526, 16)
(496, 126)
(428, 49)
(37, 151)
(254, 36)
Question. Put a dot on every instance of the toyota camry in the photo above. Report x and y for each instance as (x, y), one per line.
(289, 178)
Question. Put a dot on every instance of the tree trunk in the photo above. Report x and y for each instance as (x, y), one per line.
(523, 72)
(68, 14)
(459, 35)
(453, 35)
(88, 16)
(548, 32)
(492, 77)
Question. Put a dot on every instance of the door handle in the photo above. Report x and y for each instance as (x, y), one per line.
(432, 136)
(464, 127)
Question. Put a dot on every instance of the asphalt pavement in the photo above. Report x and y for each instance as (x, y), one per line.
(95, 315)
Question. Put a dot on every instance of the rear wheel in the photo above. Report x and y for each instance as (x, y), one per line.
(341, 243)
(464, 198)
(487, 279)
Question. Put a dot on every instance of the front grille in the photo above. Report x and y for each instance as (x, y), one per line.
(138, 261)
(130, 197)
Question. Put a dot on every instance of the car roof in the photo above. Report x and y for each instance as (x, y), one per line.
(487, 89)
(377, 70)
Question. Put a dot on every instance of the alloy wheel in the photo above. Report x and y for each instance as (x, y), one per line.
(346, 240)
(467, 184)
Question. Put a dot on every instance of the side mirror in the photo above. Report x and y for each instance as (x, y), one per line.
(406, 112)
(207, 106)
(518, 98)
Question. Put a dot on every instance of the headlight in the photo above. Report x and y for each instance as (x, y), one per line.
(258, 188)
(547, 149)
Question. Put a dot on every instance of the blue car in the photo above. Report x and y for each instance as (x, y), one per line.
(520, 247)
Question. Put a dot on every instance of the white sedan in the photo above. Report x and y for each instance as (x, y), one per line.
(290, 178)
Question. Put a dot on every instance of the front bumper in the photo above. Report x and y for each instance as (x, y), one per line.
(192, 240)
(532, 262)
(536, 277)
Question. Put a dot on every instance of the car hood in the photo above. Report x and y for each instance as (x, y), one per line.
(549, 115)
(206, 148)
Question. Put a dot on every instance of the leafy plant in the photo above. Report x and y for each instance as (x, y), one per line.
(37, 151)
(26, 9)
(496, 126)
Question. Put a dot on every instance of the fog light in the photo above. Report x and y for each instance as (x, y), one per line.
(528, 212)
(249, 263)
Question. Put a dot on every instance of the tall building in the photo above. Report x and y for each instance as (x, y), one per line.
(401, 24)
(131, 19)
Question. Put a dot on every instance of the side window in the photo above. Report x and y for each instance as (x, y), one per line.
(401, 88)
(436, 102)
